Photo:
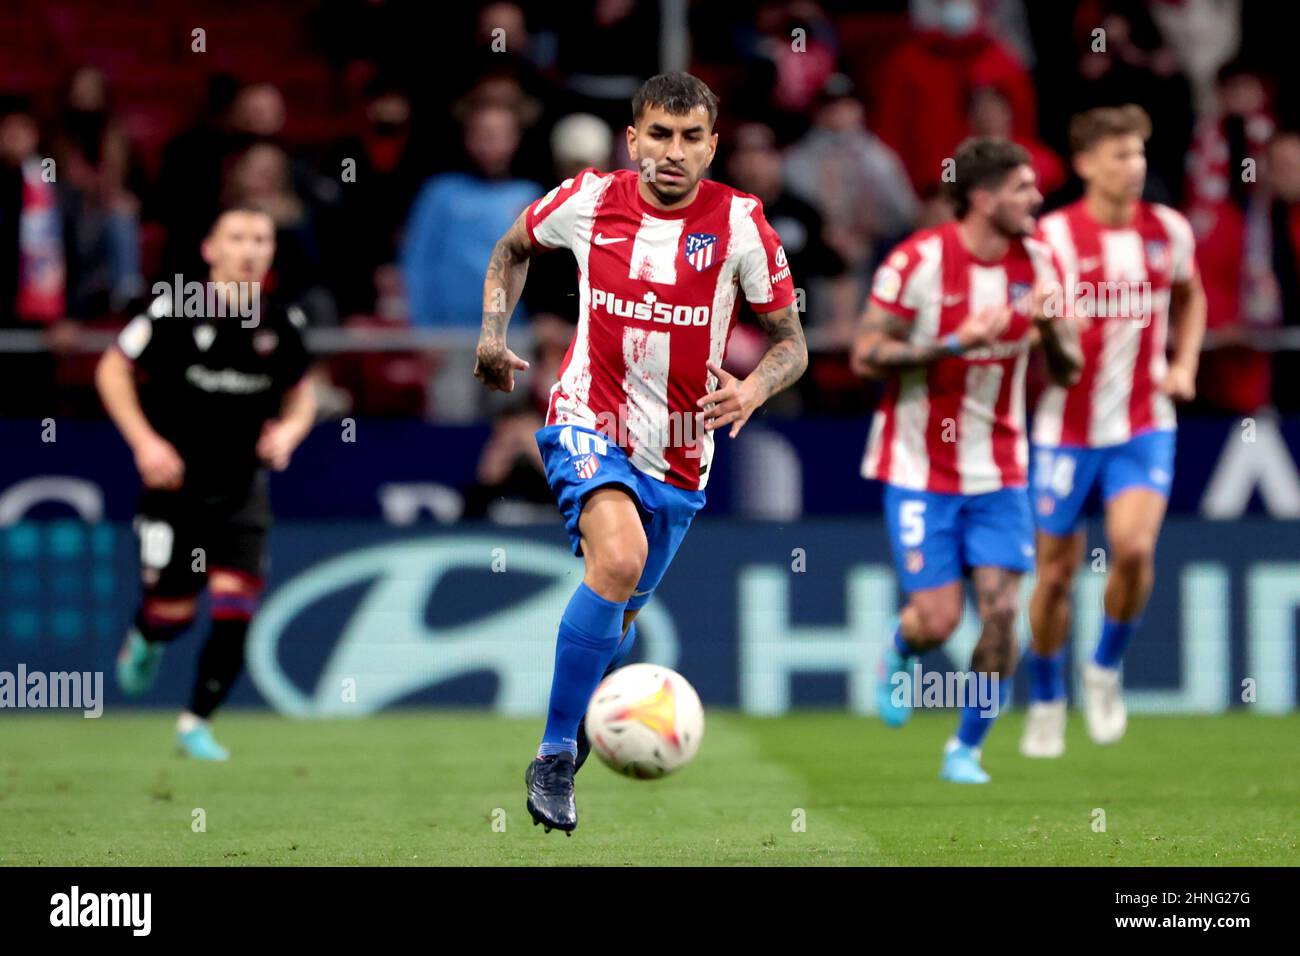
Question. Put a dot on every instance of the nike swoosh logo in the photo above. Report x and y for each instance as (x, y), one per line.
(1087, 265)
(608, 240)
(951, 300)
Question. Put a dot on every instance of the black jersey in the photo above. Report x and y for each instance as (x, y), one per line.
(208, 385)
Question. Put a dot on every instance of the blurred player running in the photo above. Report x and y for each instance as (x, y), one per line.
(1114, 430)
(205, 402)
(662, 260)
(953, 313)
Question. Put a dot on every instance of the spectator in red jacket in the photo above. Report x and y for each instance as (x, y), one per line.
(1250, 260)
(990, 115)
(923, 109)
(1237, 128)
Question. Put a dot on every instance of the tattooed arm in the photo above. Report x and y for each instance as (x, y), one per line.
(782, 364)
(495, 365)
(786, 356)
(1060, 341)
(883, 348)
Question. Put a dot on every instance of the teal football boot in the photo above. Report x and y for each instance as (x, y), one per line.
(198, 742)
(961, 764)
(138, 664)
(893, 713)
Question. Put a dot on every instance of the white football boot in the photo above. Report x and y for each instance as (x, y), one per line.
(1044, 734)
(1104, 704)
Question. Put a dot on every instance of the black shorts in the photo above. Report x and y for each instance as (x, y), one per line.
(184, 534)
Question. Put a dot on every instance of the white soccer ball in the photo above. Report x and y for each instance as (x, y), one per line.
(645, 721)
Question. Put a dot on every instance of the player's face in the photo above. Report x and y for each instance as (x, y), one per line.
(240, 247)
(672, 151)
(1015, 203)
(1115, 166)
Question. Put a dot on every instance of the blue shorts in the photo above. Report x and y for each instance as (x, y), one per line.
(579, 460)
(937, 538)
(1064, 476)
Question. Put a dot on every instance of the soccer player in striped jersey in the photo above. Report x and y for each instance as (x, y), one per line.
(1130, 272)
(663, 257)
(953, 314)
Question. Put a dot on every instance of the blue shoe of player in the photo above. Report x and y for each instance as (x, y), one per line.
(137, 664)
(893, 714)
(961, 764)
(198, 742)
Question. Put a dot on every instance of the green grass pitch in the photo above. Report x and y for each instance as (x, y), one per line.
(437, 787)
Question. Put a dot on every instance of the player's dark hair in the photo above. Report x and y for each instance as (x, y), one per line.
(675, 93)
(1089, 128)
(981, 162)
(237, 207)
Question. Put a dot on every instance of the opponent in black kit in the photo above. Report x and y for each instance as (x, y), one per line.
(208, 387)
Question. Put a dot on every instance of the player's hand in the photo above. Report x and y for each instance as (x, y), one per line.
(159, 464)
(496, 367)
(1179, 384)
(1038, 300)
(732, 404)
(276, 444)
(1039, 305)
(983, 327)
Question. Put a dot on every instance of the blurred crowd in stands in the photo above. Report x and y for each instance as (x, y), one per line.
(393, 149)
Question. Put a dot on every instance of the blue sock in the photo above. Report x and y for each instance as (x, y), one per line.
(905, 650)
(1115, 636)
(589, 633)
(1046, 677)
(974, 726)
(624, 649)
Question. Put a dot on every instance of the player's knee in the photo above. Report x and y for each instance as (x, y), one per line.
(1055, 579)
(1134, 555)
(938, 621)
(617, 562)
(235, 596)
(621, 568)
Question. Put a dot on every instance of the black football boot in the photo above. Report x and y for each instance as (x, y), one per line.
(550, 792)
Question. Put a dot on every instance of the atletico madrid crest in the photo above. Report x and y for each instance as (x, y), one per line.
(1159, 257)
(586, 465)
(699, 250)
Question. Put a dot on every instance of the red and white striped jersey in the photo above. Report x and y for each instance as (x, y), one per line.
(956, 426)
(657, 299)
(1119, 279)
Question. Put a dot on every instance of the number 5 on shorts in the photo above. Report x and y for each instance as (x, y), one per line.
(911, 517)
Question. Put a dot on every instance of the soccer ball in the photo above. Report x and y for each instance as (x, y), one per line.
(645, 721)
